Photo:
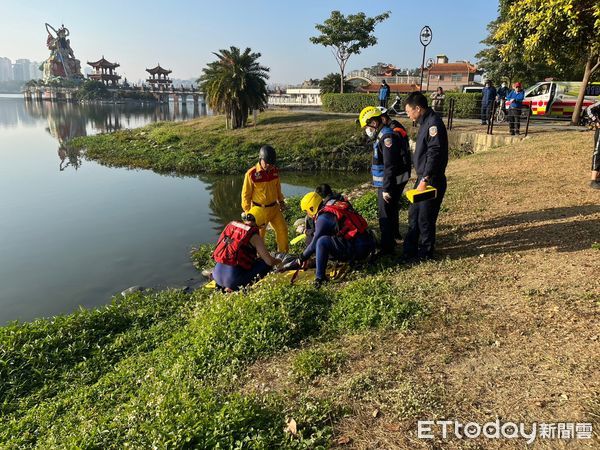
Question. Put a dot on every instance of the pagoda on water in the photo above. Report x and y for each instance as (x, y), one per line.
(104, 71)
(159, 77)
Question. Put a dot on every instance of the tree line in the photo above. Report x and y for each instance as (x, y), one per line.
(532, 40)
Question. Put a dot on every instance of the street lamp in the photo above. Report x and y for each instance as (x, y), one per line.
(425, 38)
(429, 65)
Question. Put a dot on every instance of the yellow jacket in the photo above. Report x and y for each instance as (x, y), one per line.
(261, 187)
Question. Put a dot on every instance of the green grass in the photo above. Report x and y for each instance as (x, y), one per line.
(171, 389)
(312, 362)
(304, 141)
(373, 302)
(160, 369)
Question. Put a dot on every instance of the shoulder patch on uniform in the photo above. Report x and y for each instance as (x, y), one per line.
(387, 142)
(433, 131)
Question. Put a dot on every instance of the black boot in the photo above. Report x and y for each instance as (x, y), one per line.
(320, 282)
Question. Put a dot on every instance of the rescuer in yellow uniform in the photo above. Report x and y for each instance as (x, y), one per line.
(262, 188)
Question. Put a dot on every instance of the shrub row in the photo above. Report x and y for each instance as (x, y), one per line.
(348, 103)
(467, 105)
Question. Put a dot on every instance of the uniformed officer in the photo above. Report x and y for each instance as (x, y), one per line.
(430, 161)
(593, 113)
(515, 98)
(389, 171)
(262, 188)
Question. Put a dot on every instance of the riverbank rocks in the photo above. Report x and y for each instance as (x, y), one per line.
(132, 290)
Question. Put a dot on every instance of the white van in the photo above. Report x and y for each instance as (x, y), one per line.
(472, 89)
(558, 98)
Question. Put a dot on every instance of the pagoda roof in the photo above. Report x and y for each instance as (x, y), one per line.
(103, 63)
(158, 69)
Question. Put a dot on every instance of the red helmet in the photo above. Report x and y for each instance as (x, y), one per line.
(518, 84)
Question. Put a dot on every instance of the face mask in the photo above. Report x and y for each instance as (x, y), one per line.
(370, 132)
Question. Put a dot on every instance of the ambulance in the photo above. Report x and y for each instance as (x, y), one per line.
(558, 98)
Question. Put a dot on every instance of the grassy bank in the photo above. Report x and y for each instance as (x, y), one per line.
(503, 325)
(161, 369)
(304, 141)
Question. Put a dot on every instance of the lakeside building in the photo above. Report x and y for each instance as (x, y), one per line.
(159, 79)
(450, 76)
(296, 96)
(6, 71)
(104, 71)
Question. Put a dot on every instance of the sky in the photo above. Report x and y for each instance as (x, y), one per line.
(182, 35)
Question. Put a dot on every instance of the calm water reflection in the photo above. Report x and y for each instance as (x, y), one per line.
(73, 232)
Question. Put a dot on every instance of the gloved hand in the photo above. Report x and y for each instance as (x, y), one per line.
(303, 262)
(276, 263)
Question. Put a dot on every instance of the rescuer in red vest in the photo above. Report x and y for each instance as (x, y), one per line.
(241, 254)
(340, 233)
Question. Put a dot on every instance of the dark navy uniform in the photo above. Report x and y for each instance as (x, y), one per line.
(593, 113)
(430, 161)
(390, 175)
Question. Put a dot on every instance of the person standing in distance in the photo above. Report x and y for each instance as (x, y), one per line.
(515, 98)
(501, 96)
(593, 113)
(430, 161)
(487, 102)
(262, 188)
(437, 100)
(384, 94)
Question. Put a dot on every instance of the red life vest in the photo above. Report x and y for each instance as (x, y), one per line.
(401, 131)
(350, 223)
(233, 247)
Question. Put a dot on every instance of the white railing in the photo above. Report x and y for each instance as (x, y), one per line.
(294, 100)
(395, 79)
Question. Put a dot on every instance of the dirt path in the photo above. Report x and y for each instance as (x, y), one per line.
(513, 331)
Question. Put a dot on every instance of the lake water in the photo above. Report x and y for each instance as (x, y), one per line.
(74, 233)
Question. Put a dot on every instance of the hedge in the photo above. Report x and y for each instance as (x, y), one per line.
(466, 106)
(348, 103)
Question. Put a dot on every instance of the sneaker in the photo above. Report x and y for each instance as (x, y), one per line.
(595, 184)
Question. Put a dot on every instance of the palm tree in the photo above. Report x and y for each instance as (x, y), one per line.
(235, 84)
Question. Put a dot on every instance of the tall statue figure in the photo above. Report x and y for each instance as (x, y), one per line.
(62, 62)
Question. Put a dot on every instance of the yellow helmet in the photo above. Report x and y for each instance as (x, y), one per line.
(255, 214)
(310, 203)
(367, 114)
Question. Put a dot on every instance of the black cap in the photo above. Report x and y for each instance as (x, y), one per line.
(267, 154)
